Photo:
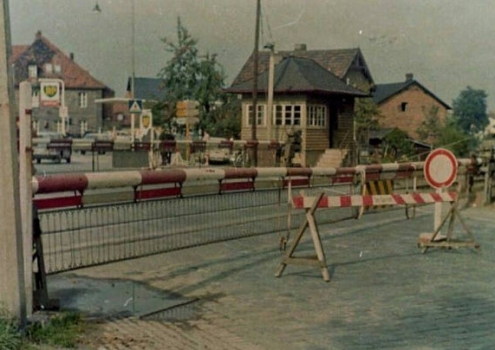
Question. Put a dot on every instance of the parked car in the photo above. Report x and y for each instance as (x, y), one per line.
(219, 150)
(52, 146)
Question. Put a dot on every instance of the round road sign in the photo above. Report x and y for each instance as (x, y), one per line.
(440, 168)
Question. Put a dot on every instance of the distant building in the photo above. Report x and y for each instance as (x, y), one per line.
(42, 59)
(406, 105)
(151, 90)
(314, 91)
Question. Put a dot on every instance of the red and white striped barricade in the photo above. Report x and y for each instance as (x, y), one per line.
(322, 201)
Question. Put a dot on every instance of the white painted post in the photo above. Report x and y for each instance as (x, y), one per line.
(25, 170)
(437, 217)
(12, 291)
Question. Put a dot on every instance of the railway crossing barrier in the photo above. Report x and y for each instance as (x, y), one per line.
(311, 203)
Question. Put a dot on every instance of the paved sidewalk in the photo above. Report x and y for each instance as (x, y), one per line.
(383, 293)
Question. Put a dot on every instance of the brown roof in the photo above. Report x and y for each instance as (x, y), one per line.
(337, 62)
(42, 51)
(299, 75)
(17, 50)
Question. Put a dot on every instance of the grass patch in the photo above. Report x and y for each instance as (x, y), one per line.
(10, 338)
(62, 330)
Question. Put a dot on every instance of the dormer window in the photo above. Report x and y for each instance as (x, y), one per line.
(33, 71)
(48, 68)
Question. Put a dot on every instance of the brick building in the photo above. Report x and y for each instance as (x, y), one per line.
(406, 105)
(42, 59)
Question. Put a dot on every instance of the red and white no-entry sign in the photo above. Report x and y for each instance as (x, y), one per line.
(440, 168)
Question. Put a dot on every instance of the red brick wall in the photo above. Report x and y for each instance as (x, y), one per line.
(419, 105)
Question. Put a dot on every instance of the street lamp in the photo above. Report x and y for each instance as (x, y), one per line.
(97, 9)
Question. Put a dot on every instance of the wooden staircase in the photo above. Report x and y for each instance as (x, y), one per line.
(332, 158)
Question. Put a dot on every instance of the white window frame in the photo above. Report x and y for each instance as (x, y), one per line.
(261, 115)
(316, 115)
(287, 114)
(83, 99)
(33, 71)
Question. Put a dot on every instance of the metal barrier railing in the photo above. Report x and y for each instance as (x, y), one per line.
(84, 235)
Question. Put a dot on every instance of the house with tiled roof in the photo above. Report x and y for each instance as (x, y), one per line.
(348, 65)
(406, 105)
(42, 59)
(306, 97)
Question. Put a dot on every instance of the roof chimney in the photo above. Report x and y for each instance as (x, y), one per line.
(409, 77)
(38, 35)
(71, 55)
(300, 47)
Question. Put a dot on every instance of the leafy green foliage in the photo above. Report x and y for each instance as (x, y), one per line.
(366, 114)
(10, 338)
(62, 330)
(397, 146)
(448, 134)
(454, 138)
(227, 119)
(431, 126)
(191, 76)
(470, 110)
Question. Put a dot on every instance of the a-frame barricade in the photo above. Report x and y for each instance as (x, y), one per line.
(319, 260)
(436, 240)
(311, 203)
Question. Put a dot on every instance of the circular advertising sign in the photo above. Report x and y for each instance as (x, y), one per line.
(440, 168)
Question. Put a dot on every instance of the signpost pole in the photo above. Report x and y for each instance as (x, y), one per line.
(25, 175)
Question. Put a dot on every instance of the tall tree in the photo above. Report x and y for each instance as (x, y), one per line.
(451, 136)
(366, 115)
(430, 128)
(189, 75)
(470, 110)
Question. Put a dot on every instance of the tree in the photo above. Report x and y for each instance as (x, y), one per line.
(470, 110)
(188, 75)
(397, 146)
(430, 128)
(366, 115)
(459, 141)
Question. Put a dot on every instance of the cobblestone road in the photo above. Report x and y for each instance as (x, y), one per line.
(384, 294)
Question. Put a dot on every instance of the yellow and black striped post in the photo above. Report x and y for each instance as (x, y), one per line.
(377, 187)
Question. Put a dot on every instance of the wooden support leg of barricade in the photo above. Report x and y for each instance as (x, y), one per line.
(427, 241)
(319, 260)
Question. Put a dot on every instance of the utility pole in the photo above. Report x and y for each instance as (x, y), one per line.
(269, 106)
(12, 290)
(255, 81)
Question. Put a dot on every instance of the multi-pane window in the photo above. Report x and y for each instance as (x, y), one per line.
(260, 116)
(287, 115)
(316, 115)
(83, 100)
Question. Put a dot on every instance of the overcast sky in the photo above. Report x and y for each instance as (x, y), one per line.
(446, 44)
